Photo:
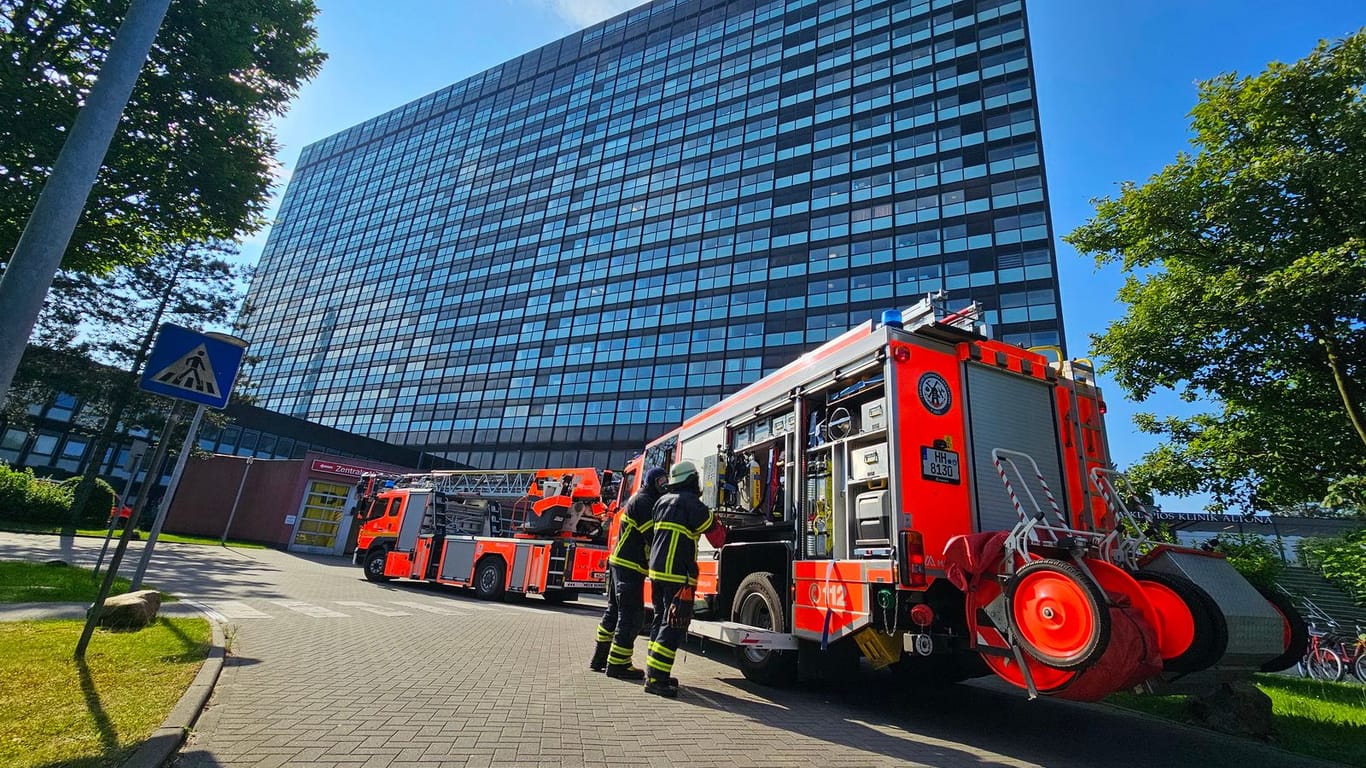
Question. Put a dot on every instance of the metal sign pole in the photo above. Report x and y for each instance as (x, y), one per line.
(165, 507)
(133, 464)
(223, 542)
(93, 615)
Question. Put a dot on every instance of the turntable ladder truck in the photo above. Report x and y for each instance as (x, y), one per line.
(449, 527)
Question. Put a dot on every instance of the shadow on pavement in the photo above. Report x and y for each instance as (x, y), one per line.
(844, 732)
(465, 595)
(330, 561)
(988, 715)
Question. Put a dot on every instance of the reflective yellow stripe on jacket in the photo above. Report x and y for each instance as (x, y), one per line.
(679, 532)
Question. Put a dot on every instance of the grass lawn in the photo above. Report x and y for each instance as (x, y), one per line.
(25, 582)
(174, 538)
(95, 714)
(1312, 717)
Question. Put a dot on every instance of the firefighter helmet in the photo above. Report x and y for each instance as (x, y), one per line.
(681, 472)
(655, 479)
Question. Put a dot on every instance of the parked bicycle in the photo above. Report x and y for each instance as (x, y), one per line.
(1321, 660)
(1354, 654)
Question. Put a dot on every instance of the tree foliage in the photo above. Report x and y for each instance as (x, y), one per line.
(99, 330)
(1255, 557)
(95, 330)
(1246, 284)
(192, 160)
(108, 317)
(1341, 559)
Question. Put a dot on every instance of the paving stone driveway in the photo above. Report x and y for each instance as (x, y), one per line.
(327, 669)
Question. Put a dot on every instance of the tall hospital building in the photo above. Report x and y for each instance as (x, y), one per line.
(552, 261)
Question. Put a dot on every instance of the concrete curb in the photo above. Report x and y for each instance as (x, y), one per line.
(167, 738)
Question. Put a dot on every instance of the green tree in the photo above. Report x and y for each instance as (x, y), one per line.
(1246, 285)
(193, 158)
(112, 320)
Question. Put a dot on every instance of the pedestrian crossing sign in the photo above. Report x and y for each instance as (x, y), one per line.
(193, 366)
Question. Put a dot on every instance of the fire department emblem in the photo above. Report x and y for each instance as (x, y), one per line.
(934, 393)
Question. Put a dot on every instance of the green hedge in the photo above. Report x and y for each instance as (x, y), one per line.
(98, 507)
(26, 498)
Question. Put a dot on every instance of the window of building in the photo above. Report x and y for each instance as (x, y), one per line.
(12, 444)
(62, 408)
(44, 447)
(73, 451)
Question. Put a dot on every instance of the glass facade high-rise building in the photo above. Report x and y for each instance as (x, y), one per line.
(555, 260)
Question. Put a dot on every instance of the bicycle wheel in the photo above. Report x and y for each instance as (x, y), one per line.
(1359, 668)
(1327, 665)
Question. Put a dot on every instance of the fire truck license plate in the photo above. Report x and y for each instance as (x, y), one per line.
(937, 465)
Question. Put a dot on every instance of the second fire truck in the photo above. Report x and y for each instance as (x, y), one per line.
(546, 536)
(919, 494)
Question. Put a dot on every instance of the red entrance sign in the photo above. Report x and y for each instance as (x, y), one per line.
(332, 467)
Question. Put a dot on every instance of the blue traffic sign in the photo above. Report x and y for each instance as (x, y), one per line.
(193, 366)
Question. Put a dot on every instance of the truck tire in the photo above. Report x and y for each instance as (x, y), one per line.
(758, 604)
(1057, 614)
(373, 565)
(1208, 627)
(490, 579)
(1296, 639)
(558, 596)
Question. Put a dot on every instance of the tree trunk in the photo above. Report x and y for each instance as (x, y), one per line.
(1349, 402)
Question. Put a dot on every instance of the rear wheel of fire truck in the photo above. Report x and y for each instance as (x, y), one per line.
(558, 596)
(757, 604)
(1046, 679)
(374, 565)
(1058, 614)
(1193, 634)
(1294, 634)
(490, 578)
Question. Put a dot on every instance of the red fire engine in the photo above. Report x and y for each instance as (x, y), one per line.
(919, 494)
(450, 528)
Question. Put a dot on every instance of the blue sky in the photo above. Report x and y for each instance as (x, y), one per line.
(1115, 82)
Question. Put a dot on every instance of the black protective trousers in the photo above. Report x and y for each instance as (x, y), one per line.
(625, 613)
(664, 639)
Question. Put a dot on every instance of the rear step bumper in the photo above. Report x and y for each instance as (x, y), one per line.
(742, 636)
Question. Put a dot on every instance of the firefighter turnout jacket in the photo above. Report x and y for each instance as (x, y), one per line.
(635, 522)
(679, 519)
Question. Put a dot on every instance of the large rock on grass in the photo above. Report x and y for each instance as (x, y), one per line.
(1238, 707)
(134, 610)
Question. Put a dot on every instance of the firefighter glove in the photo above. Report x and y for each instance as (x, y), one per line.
(680, 614)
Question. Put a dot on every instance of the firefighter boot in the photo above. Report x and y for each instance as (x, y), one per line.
(627, 671)
(599, 662)
(660, 686)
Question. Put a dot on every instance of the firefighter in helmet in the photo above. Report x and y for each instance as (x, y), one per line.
(626, 581)
(680, 518)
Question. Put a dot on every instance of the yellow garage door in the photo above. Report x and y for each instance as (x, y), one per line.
(321, 518)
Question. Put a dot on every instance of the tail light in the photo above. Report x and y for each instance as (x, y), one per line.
(922, 615)
(911, 559)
